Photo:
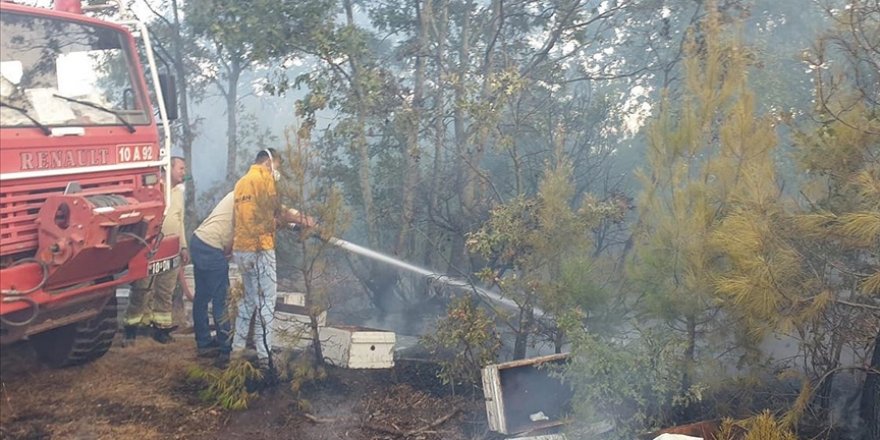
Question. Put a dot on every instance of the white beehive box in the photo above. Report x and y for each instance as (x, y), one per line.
(357, 347)
(291, 323)
(292, 298)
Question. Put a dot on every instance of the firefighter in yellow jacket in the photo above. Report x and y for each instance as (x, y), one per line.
(257, 209)
(149, 303)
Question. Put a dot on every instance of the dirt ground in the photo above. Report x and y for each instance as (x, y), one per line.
(142, 393)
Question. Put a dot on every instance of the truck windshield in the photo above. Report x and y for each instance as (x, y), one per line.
(64, 73)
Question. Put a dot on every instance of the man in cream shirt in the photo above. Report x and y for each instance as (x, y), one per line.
(210, 245)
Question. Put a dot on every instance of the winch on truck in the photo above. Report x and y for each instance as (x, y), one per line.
(81, 192)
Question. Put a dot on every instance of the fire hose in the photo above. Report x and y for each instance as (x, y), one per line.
(184, 286)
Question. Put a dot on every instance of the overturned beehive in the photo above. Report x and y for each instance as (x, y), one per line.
(523, 396)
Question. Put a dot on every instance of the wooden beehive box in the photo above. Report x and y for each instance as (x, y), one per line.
(358, 347)
(291, 321)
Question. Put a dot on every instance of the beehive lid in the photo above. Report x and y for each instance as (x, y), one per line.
(380, 337)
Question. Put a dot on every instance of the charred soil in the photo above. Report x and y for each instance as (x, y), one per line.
(142, 392)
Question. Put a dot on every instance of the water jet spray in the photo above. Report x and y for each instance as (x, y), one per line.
(431, 275)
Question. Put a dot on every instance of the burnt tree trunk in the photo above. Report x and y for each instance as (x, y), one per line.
(458, 252)
(433, 206)
(558, 340)
(869, 409)
(823, 394)
(360, 137)
(379, 283)
(527, 316)
(318, 351)
(685, 412)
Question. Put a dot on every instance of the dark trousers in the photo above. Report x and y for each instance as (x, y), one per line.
(211, 276)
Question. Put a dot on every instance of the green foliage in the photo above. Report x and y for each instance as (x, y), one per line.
(837, 150)
(255, 30)
(701, 250)
(763, 281)
(227, 388)
(545, 242)
(633, 382)
(464, 342)
(451, 115)
(722, 250)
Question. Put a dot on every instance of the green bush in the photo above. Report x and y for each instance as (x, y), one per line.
(634, 384)
(464, 342)
(227, 388)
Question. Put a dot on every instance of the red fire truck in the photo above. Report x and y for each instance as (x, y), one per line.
(81, 195)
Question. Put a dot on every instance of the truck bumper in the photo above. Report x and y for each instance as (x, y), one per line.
(23, 314)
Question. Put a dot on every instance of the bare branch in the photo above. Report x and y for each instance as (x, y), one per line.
(158, 15)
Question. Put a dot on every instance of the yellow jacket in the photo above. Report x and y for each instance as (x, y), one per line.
(256, 203)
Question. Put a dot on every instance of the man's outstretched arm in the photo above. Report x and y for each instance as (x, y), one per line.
(290, 215)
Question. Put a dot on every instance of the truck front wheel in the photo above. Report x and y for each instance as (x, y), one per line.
(80, 342)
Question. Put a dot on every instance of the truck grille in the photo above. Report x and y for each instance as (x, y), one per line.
(20, 203)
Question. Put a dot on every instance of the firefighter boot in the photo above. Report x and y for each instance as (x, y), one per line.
(129, 335)
(163, 335)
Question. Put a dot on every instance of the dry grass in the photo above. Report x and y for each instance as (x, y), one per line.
(129, 393)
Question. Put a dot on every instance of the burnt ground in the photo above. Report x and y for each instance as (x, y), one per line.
(142, 392)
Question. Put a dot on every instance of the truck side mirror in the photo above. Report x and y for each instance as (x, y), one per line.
(169, 95)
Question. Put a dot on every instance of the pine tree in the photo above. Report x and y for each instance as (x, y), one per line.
(313, 192)
(839, 227)
(808, 265)
(707, 151)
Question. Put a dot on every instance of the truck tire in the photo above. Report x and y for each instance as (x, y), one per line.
(80, 342)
